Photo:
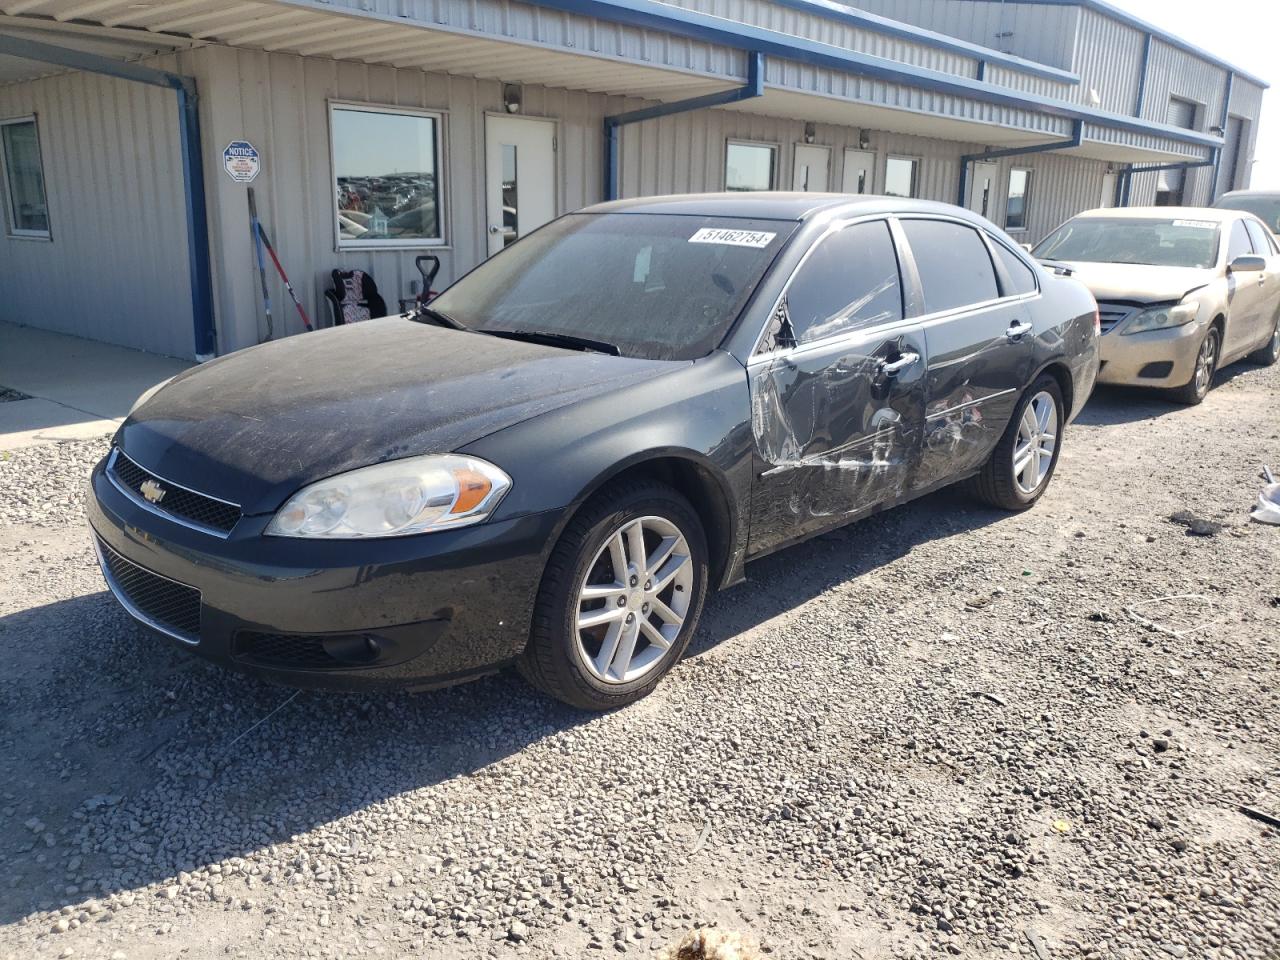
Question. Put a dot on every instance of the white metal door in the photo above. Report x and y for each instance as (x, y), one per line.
(1108, 198)
(812, 171)
(858, 167)
(983, 178)
(520, 177)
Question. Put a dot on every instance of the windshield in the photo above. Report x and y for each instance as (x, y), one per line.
(1266, 209)
(663, 287)
(1165, 243)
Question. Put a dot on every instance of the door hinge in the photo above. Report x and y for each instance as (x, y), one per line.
(555, 144)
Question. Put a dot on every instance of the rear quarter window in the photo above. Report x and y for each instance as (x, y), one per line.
(1022, 280)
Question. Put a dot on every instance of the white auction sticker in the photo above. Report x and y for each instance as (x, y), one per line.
(1204, 224)
(735, 238)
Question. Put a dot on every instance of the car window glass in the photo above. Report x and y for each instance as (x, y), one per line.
(1238, 245)
(849, 281)
(1021, 278)
(1165, 243)
(1258, 234)
(954, 266)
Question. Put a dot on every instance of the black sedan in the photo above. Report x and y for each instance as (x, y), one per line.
(552, 463)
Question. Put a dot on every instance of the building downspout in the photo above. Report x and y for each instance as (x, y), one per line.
(1222, 126)
(198, 256)
(1077, 137)
(1190, 165)
(612, 125)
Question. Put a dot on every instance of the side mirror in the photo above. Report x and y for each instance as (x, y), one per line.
(1025, 246)
(1247, 263)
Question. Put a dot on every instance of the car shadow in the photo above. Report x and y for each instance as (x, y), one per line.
(1111, 405)
(127, 761)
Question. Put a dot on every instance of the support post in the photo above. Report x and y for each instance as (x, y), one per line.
(612, 138)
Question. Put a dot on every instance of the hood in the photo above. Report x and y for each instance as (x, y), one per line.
(254, 426)
(1139, 283)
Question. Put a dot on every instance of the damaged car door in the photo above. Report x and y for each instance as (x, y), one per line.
(837, 389)
(977, 300)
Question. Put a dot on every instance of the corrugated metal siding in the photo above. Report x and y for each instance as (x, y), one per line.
(798, 23)
(1246, 102)
(1108, 55)
(116, 269)
(1040, 33)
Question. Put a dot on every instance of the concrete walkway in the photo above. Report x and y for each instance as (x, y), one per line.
(76, 388)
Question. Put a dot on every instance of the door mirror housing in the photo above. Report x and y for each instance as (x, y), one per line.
(1025, 246)
(1248, 263)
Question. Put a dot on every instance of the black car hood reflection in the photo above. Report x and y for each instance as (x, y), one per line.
(254, 426)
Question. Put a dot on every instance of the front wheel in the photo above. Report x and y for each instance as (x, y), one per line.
(1020, 467)
(1270, 353)
(620, 598)
(1197, 388)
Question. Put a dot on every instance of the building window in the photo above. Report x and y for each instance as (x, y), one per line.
(1015, 209)
(750, 166)
(24, 178)
(901, 177)
(386, 167)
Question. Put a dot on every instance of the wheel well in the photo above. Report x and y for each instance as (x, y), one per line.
(1220, 321)
(1060, 373)
(697, 484)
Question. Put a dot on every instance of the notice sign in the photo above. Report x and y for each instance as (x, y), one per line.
(241, 161)
(734, 238)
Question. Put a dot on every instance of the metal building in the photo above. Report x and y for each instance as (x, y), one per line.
(378, 130)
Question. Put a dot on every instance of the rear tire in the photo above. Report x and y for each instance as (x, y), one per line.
(1197, 388)
(603, 637)
(1017, 474)
(1269, 354)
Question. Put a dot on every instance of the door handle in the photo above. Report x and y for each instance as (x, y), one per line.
(1018, 328)
(494, 229)
(891, 368)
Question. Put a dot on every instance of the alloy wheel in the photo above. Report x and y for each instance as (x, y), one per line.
(632, 603)
(1205, 361)
(1037, 440)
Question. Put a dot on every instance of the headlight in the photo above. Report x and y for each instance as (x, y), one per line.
(147, 394)
(1158, 318)
(394, 499)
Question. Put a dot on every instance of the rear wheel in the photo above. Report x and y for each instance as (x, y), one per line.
(1023, 462)
(1197, 388)
(620, 598)
(1270, 353)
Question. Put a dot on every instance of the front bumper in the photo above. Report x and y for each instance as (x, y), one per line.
(414, 611)
(1156, 358)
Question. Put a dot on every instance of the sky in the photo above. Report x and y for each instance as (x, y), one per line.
(1244, 33)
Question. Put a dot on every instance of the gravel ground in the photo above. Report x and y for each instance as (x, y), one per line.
(942, 731)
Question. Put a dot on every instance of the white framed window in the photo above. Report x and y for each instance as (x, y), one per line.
(387, 176)
(1019, 200)
(750, 166)
(901, 176)
(26, 204)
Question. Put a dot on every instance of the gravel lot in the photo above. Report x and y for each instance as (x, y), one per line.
(941, 731)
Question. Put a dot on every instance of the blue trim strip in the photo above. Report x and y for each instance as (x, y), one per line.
(652, 15)
(198, 256)
(1226, 118)
(753, 88)
(1140, 101)
(1077, 137)
(928, 38)
(1115, 13)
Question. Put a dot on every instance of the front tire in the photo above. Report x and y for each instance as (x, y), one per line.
(1197, 388)
(1022, 464)
(620, 598)
(1269, 354)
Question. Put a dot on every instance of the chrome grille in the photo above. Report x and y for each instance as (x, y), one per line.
(169, 606)
(196, 509)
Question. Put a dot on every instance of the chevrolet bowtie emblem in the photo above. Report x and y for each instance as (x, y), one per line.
(152, 491)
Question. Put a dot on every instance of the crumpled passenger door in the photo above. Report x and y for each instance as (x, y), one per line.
(837, 428)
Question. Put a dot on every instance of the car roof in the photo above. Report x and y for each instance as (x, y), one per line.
(779, 205)
(1269, 194)
(1215, 214)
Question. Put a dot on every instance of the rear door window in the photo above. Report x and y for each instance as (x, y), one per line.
(954, 266)
(1261, 242)
(848, 282)
(1021, 278)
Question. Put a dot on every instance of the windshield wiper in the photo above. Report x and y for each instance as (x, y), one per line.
(429, 315)
(559, 340)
